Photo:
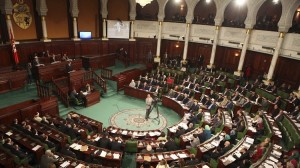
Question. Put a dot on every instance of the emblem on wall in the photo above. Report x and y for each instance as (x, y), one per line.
(22, 15)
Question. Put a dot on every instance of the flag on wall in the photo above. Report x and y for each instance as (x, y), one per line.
(14, 49)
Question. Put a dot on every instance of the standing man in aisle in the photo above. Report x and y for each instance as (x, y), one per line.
(149, 101)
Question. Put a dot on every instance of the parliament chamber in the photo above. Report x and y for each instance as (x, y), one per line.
(228, 69)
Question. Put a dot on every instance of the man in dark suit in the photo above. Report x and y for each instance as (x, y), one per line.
(116, 144)
(180, 131)
(160, 148)
(186, 99)
(69, 67)
(104, 142)
(195, 107)
(66, 151)
(170, 145)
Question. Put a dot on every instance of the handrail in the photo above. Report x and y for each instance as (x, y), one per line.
(100, 81)
(64, 96)
(42, 91)
(106, 73)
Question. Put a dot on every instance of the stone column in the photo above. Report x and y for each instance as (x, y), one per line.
(104, 35)
(41, 8)
(104, 13)
(131, 31)
(9, 25)
(6, 8)
(186, 43)
(239, 71)
(74, 13)
(274, 58)
(157, 58)
(44, 28)
(214, 48)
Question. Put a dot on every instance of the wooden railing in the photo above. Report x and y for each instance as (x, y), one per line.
(106, 73)
(42, 91)
(100, 81)
(60, 87)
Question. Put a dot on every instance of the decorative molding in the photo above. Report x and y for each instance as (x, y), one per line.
(6, 7)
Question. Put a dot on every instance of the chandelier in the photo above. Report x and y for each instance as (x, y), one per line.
(143, 2)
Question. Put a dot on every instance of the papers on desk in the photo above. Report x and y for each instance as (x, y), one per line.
(276, 153)
(249, 140)
(124, 132)
(215, 143)
(160, 157)
(9, 133)
(205, 166)
(147, 158)
(56, 156)
(182, 155)
(113, 131)
(76, 146)
(84, 148)
(97, 139)
(116, 155)
(36, 148)
(173, 156)
(103, 153)
(65, 164)
(238, 154)
(155, 133)
(79, 166)
(273, 159)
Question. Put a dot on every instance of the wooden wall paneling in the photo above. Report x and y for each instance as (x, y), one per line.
(30, 111)
(172, 49)
(287, 71)
(114, 45)
(89, 48)
(77, 49)
(104, 47)
(5, 56)
(143, 46)
(62, 47)
(28, 49)
(132, 51)
(196, 49)
(219, 57)
(49, 106)
(8, 118)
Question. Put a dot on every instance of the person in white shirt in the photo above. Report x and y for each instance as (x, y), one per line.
(132, 84)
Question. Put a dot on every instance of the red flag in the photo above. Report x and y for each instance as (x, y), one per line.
(14, 49)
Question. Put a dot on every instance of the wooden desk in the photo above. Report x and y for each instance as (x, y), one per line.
(28, 109)
(95, 62)
(96, 125)
(52, 71)
(6, 159)
(73, 162)
(12, 80)
(107, 159)
(24, 140)
(92, 98)
(137, 93)
(174, 105)
(141, 157)
(54, 135)
(127, 134)
(225, 160)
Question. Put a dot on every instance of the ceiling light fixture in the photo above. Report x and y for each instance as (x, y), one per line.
(207, 1)
(275, 1)
(240, 2)
(177, 1)
(143, 2)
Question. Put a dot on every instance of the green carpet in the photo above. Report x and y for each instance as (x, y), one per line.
(114, 107)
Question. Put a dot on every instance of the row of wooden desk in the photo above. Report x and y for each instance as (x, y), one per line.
(12, 80)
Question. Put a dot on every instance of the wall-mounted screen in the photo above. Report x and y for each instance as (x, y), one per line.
(118, 29)
(85, 35)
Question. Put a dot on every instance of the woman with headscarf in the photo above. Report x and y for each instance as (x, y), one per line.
(162, 164)
(207, 132)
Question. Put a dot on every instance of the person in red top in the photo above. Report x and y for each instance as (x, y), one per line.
(258, 153)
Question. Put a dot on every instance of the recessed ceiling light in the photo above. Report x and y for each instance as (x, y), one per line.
(240, 2)
(207, 1)
(275, 1)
